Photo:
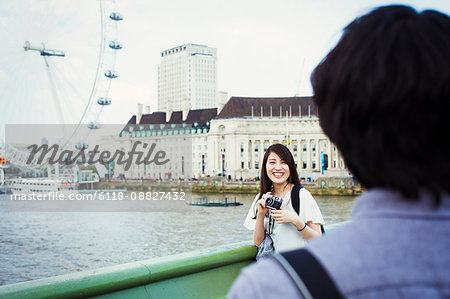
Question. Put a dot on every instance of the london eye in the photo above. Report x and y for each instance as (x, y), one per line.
(57, 64)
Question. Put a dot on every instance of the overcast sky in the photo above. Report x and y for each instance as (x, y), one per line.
(265, 49)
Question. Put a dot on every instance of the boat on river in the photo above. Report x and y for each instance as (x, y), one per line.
(223, 202)
(52, 185)
(41, 186)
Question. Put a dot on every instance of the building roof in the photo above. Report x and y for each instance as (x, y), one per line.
(183, 45)
(153, 118)
(201, 116)
(242, 107)
(132, 120)
(237, 107)
(176, 117)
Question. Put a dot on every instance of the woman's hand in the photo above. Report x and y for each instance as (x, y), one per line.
(284, 216)
(262, 210)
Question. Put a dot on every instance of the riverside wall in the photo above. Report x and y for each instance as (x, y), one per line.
(333, 186)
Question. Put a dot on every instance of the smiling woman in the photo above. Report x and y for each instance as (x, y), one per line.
(289, 224)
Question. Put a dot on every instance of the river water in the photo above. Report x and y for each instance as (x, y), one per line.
(35, 245)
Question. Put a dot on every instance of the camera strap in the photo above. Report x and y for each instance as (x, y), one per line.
(308, 274)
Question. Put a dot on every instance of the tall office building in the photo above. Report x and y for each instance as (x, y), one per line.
(187, 78)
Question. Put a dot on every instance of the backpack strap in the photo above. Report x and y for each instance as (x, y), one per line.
(310, 277)
(295, 198)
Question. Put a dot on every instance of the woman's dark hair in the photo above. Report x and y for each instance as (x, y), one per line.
(285, 154)
(383, 95)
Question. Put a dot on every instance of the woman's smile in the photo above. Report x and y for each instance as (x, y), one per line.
(278, 175)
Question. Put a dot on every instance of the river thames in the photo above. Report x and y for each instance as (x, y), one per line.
(35, 245)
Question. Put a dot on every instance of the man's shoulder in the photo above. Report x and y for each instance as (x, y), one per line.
(264, 279)
(382, 254)
(361, 258)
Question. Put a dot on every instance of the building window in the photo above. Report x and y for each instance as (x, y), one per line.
(256, 165)
(242, 165)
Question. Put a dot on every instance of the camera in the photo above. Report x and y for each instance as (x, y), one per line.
(274, 202)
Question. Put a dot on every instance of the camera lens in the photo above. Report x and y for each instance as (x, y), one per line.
(269, 201)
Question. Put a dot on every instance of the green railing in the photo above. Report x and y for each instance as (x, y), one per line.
(206, 273)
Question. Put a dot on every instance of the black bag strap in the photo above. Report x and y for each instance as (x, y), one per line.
(311, 279)
(295, 199)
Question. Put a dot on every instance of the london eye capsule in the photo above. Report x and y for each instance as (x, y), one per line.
(104, 101)
(44, 52)
(94, 125)
(116, 16)
(115, 45)
(111, 74)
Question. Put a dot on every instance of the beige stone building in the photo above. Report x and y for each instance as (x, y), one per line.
(232, 143)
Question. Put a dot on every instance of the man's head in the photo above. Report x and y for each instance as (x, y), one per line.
(383, 95)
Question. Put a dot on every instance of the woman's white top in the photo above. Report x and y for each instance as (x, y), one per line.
(285, 235)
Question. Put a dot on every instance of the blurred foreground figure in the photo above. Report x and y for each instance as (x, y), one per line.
(383, 95)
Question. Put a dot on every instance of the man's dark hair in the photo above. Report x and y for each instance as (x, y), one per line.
(383, 95)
